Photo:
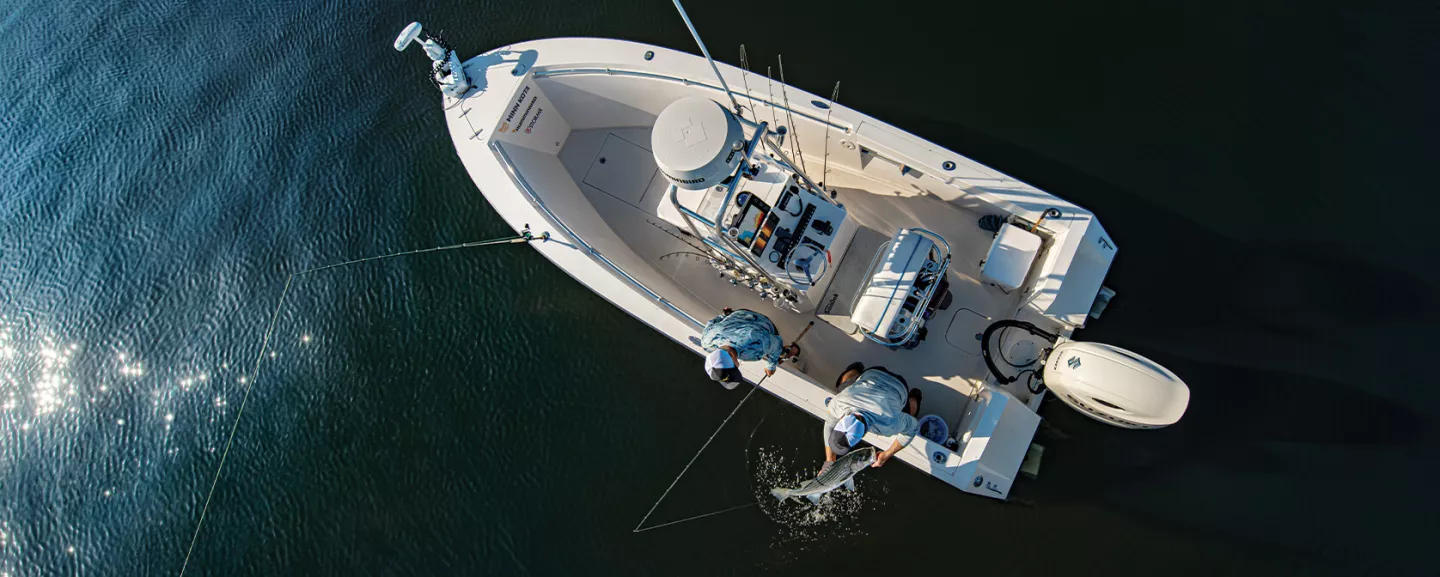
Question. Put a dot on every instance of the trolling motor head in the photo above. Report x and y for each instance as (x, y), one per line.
(408, 35)
(446, 70)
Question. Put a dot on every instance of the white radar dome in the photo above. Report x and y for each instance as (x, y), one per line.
(697, 142)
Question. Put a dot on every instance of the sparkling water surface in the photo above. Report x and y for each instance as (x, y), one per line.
(165, 166)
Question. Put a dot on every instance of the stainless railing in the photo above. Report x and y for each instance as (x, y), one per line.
(939, 173)
(524, 185)
(548, 73)
(896, 336)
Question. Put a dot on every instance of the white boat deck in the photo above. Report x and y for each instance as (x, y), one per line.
(557, 135)
(616, 171)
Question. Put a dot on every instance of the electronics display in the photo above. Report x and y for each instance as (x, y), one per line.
(751, 219)
(763, 237)
(789, 232)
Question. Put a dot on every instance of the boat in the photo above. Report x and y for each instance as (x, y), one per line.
(674, 186)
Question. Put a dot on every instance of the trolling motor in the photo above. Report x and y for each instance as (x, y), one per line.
(446, 71)
(1104, 382)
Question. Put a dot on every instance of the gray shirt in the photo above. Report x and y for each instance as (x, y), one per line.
(880, 399)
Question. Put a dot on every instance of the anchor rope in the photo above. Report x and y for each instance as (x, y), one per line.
(524, 237)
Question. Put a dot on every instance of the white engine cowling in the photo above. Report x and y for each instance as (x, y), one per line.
(1115, 386)
(697, 143)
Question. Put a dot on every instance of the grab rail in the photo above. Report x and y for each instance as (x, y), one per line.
(547, 73)
(535, 201)
(931, 170)
(898, 336)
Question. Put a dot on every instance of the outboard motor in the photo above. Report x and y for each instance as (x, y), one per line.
(1106, 383)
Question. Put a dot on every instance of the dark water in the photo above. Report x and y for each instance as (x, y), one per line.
(1263, 166)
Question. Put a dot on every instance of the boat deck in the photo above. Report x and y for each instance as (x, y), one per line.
(616, 171)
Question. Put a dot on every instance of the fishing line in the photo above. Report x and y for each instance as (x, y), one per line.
(524, 237)
(750, 441)
(735, 508)
(728, 509)
(637, 528)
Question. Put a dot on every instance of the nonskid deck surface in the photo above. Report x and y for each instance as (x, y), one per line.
(614, 169)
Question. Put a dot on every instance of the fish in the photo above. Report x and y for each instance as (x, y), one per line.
(840, 473)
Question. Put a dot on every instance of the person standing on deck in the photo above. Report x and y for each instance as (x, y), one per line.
(741, 335)
(877, 401)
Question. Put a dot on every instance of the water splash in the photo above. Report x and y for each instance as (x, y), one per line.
(835, 519)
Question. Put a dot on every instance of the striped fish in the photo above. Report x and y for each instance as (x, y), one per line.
(841, 472)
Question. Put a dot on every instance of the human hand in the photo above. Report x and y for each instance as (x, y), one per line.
(881, 458)
(769, 372)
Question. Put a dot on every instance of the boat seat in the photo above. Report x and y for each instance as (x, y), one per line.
(882, 301)
(1011, 254)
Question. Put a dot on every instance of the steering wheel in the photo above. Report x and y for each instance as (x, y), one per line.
(807, 261)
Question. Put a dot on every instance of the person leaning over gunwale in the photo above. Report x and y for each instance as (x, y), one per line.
(741, 335)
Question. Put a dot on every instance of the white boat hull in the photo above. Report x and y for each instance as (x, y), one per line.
(542, 110)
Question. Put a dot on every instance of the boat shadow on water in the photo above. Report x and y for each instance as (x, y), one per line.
(1296, 362)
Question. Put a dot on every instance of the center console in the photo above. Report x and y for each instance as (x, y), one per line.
(791, 233)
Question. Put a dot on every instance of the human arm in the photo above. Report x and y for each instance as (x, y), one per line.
(792, 350)
(774, 352)
(829, 459)
(909, 427)
(885, 455)
(825, 429)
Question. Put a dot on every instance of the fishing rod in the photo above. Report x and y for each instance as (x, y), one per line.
(796, 343)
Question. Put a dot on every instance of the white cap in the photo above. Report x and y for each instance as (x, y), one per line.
(853, 428)
(718, 359)
(721, 368)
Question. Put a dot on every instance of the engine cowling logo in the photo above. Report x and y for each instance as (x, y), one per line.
(1074, 362)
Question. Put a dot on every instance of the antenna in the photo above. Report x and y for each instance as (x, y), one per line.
(825, 171)
(799, 154)
(773, 120)
(744, 69)
(706, 52)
